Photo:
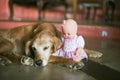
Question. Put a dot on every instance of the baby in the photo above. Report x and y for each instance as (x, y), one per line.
(72, 47)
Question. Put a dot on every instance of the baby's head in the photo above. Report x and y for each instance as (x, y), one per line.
(69, 28)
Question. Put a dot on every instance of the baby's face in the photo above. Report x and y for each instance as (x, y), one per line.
(69, 28)
(69, 33)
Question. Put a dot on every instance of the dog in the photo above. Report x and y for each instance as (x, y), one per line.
(34, 44)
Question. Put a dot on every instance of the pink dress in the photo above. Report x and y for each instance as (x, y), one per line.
(69, 47)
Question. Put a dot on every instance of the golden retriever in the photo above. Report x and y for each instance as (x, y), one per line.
(34, 44)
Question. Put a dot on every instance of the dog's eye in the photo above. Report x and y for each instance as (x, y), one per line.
(33, 48)
(45, 48)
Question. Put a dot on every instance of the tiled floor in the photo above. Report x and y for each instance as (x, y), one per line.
(108, 66)
(110, 50)
(105, 68)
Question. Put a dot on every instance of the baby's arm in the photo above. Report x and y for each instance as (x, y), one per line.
(78, 50)
(80, 45)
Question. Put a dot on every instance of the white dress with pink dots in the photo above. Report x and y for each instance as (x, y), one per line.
(69, 47)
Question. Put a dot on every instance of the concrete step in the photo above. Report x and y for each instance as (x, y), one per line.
(91, 30)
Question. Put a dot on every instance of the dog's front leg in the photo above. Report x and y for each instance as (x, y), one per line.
(69, 63)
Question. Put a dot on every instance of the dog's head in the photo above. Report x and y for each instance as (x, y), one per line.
(43, 44)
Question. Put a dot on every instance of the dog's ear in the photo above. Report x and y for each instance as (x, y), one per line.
(56, 44)
(27, 48)
(36, 29)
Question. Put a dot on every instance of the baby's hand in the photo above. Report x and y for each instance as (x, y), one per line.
(76, 56)
(77, 53)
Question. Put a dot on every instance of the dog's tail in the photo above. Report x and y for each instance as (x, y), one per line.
(93, 53)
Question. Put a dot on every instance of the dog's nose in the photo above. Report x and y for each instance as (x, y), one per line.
(39, 62)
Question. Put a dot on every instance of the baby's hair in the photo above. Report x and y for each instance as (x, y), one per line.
(71, 21)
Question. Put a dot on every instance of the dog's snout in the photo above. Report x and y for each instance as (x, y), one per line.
(39, 62)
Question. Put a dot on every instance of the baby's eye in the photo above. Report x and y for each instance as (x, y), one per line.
(68, 33)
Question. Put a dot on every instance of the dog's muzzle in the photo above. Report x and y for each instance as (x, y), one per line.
(41, 62)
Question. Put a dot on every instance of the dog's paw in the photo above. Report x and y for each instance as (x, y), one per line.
(95, 54)
(75, 66)
(4, 61)
(27, 61)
